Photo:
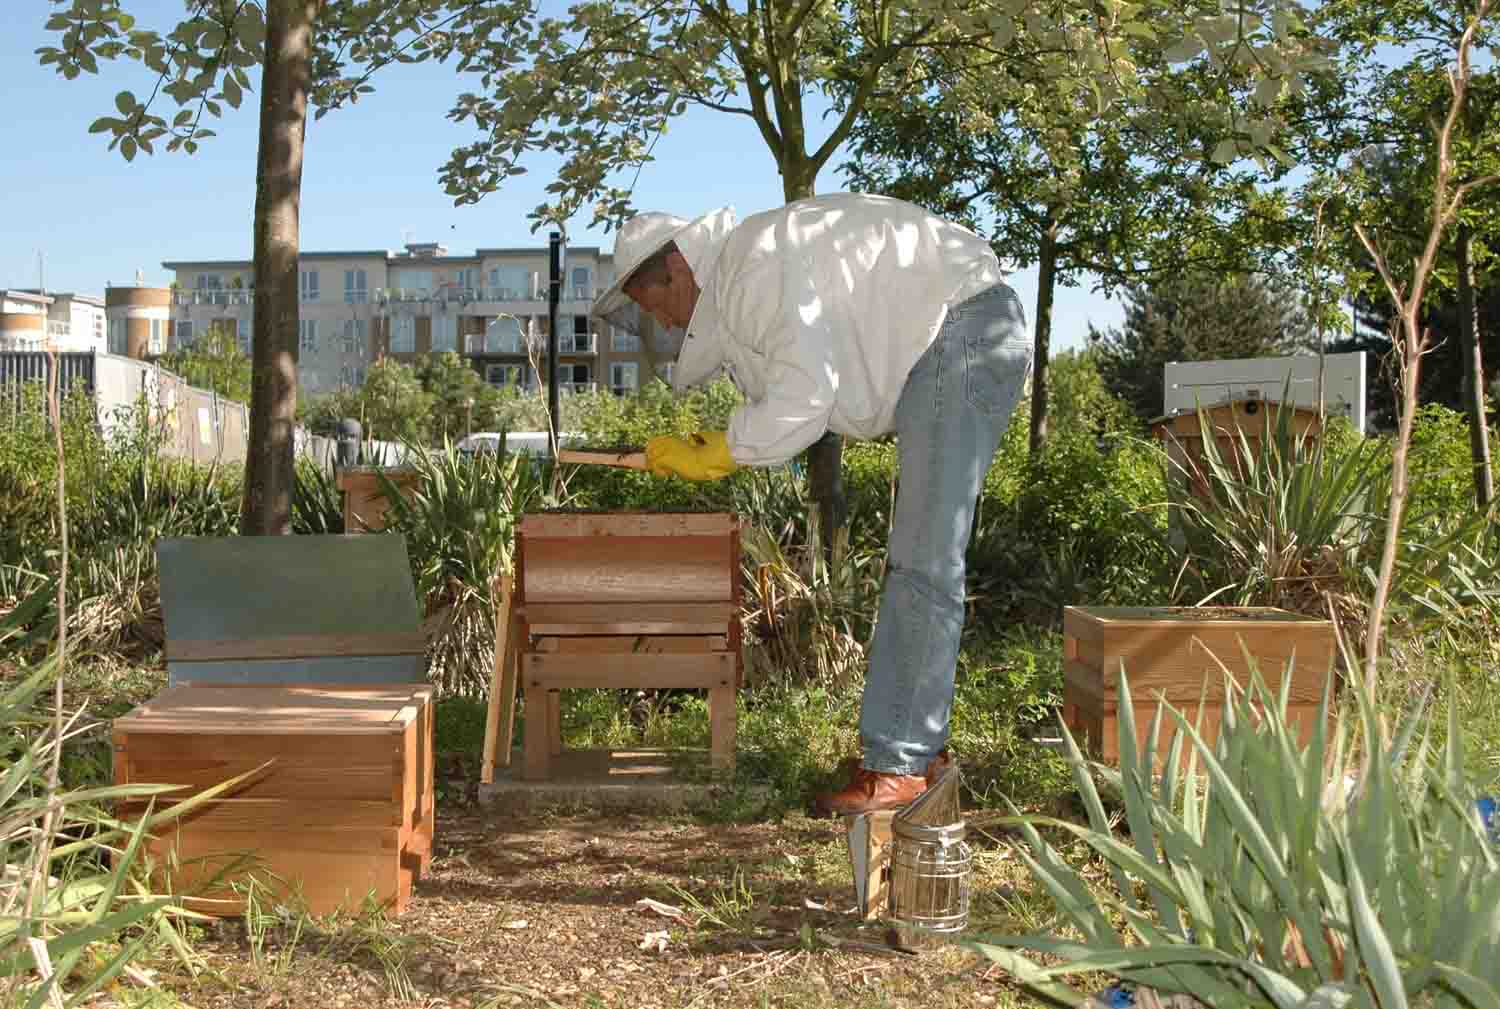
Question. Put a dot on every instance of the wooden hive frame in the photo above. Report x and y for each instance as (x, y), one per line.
(611, 600)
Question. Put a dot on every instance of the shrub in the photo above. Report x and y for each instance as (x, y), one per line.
(1080, 524)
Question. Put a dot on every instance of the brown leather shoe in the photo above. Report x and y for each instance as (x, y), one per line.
(869, 791)
(850, 766)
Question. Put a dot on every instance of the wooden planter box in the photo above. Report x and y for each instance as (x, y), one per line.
(1169, 650)
(345, 809)
(365, 503)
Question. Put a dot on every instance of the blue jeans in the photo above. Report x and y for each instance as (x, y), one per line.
(953, 410)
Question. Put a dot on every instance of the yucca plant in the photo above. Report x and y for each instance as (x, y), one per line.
(1288, 876)
(459, 522)
(85, 890)
(1281, 523)
(810, 615)
(317, 502)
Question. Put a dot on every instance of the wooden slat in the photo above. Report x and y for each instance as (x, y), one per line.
(302, 710)
(297, 646)
(605, 671)
(640, 644)
(628, 459)
(627, 569)
(1187, 617)
(276, 817)
(500, 715)
(325, 883)
(624, 618)
(323, 750)
(537, 753)
(545, 524)
(280, 780)
(722, 719)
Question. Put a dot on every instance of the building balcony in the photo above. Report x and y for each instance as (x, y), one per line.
(214, 296)
(575, 345)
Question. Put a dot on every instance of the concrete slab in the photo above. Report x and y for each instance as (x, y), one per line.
(643, 779)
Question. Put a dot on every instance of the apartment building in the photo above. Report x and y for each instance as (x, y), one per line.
(490, 307)
(30, 320)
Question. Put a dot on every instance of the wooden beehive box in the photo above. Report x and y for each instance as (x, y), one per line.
(1169, 650)
(1236, 425)
(343, 811)
(620, 599)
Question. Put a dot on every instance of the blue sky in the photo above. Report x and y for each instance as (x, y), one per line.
(370, 178)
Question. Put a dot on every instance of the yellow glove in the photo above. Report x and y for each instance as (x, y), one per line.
(701, 456)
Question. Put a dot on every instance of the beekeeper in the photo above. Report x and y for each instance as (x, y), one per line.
(861, 315)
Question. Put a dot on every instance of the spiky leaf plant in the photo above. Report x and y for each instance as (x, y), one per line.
(459, 521)
(1272, 873)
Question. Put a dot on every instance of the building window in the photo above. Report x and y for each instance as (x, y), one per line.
(444, 333)
(209, 282)
(309, 285)
(307, 336)
(623, 377)
(503, 336)
(246, 326)
(583, 290)
(184, 333)
(354, 336)
(467, 280)
(155, 346)
(118, 342)
(356, 287)
(583, 338)
(574, 378)
(403, 334)
(509, 283)
(505, 376)
(623, 340)
(666, 371)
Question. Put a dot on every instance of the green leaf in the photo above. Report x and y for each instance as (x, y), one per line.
(127, 148)
(232, 93)
(1225, 152)
(1374, 945)
(125, 102)
(103, 124)
(1028, 973)
(105, 928)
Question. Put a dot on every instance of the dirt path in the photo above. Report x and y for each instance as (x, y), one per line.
(542, 911)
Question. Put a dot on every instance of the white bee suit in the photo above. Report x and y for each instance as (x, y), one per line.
(819, 309)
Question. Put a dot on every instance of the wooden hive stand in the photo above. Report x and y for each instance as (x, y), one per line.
(617, 600)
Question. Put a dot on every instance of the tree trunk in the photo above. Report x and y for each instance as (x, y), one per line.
(1046, 285)
(1473, 392)
(266, 509)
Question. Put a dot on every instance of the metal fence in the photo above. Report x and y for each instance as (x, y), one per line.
(191, 423)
